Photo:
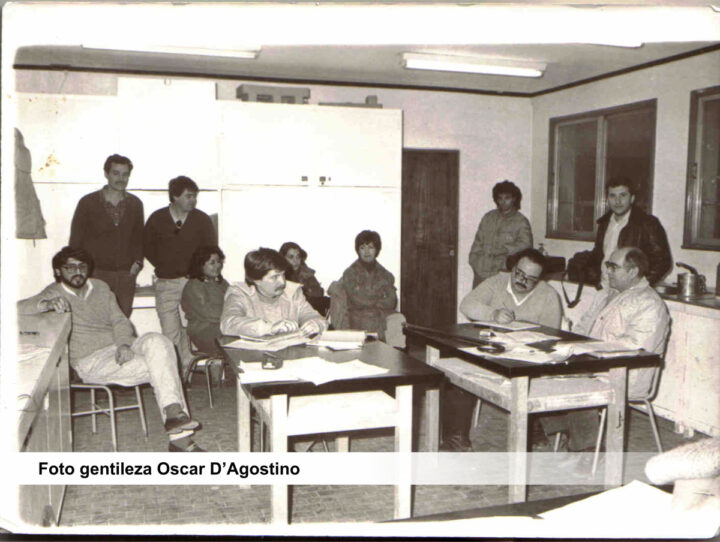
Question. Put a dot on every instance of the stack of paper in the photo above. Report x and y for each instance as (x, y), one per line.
(341, 340)
(517, 325)
(269, 343)
(313, 369)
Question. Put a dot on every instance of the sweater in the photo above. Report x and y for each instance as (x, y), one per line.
(170, 248)
(97, 320)
(371, 296)
(541, 306)
(498, 236)
(245, 312)
(113, 248)
(202, 301)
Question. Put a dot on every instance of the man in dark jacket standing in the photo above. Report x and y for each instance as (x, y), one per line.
(109, 225)
(626, 225)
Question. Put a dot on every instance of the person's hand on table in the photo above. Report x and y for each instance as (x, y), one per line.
(311, 327)
(283, 326)
(123, 354)
(57, 304)
(503, 316)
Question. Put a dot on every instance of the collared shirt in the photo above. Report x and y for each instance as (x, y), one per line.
(517, 301)
(612, 235)
(116, 212)
(179, 222)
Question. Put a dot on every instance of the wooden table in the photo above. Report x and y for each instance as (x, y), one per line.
(43, 403)
(403, 374)
(514, 392)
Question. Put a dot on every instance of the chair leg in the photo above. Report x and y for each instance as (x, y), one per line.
(207, 381)
(93, 416)
(325, 445)
(599, 440)
(653, 424)
(141, 408)
(262, 434)
(556, 446)
(113, 429)
(476, 412)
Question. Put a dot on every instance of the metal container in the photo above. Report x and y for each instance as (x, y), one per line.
(690, 285)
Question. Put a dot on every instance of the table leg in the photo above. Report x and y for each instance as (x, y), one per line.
(279, 443)
(244, 421)
(342, 443)
(432, 406)
(432, 354)
(616, 415)
(403, 444)
(518, 438)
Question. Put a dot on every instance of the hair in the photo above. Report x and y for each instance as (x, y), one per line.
(259, 262)
(637, 258)
(286, 247)
(507, 187)
(532, 254)
(367, 237)
(622, 181)
(200, 257)
(62, 257)
(117, 159)
(178, 185)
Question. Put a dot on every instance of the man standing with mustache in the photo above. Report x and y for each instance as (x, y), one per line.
(109, 225)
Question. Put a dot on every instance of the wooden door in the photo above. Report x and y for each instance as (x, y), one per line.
(429, 236)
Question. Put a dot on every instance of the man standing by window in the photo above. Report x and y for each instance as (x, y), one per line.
(109, 225)
(626, 225)
(171, 236)
(501, 233)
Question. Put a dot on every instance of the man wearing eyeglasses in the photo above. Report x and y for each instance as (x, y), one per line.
(171, 236)
(103, 348)
(503, 298)
(629, 312)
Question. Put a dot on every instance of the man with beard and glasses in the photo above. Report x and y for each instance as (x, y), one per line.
(103, 348)
(503, 298)
(172, 234)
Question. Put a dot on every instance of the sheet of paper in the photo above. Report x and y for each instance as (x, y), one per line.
(254, 374)
(512, 326)
(270, 344)
(319, 371)
(528, 337)
(522, 353)
(340, 340)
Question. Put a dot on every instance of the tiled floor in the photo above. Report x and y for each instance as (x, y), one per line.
(212, 505)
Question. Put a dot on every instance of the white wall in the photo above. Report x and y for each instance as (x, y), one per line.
(492, 134)
(671, 84)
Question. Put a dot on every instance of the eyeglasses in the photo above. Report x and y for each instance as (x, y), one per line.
(525, 279)
(75, 267)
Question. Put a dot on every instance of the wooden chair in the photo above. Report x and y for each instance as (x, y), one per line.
(77, 385)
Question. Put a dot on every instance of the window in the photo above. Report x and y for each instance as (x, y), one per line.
(702, 201)
(586, 151)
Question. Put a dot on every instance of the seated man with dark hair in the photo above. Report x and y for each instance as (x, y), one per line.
(265, 304)
(103, 348)
(503, 298)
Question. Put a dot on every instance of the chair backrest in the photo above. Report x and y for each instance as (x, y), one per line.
(394, 335)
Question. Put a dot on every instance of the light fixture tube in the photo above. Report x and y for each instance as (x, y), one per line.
(464, 64)
(201, 51)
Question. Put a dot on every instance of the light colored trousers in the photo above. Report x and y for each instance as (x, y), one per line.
(168, 293)
(154, 362)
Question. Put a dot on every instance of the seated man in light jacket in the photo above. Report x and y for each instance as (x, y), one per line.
(103, 347)
(266, 304)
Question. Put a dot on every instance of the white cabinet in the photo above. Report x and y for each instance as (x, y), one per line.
(322, 220)
(296, 145)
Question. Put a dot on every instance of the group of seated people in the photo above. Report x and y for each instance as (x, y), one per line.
(104, 348)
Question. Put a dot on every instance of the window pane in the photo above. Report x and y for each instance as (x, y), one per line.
(576, 161)
(709, 171)
(629, 151)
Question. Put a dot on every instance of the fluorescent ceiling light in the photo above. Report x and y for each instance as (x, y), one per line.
(470, 64)
(250, 53)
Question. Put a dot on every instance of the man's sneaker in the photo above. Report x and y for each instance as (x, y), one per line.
(456, 443)
(192, 447)
(180, 423)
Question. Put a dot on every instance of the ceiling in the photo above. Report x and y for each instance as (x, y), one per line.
(359, 44)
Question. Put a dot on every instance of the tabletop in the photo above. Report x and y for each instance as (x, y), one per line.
(448, 340)
(402, 369)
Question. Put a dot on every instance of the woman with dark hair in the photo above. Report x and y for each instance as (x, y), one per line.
(370, 288)
(265, 304)
(502, 232)
(299, 272)
(202, 297)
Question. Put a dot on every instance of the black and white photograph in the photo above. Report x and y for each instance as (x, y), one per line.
(361, 269)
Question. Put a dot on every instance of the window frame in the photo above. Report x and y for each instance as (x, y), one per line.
(693, 198)
(600, 116)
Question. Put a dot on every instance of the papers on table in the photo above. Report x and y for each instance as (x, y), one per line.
(313, 369)
(340, 340)
(519, 353)
(517, 325)
(269, 343)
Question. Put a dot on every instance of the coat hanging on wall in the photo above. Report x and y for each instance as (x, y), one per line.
(29, 221)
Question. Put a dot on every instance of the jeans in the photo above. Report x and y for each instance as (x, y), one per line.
(154, 362)
(168, 293)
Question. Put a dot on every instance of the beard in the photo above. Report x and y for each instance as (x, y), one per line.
(76, 281)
